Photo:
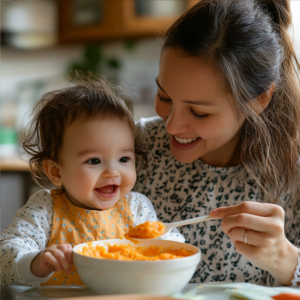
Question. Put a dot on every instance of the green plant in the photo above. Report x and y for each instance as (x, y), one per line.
(93, 60)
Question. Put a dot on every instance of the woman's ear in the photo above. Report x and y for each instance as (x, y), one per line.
(52, 171)
(263, 100)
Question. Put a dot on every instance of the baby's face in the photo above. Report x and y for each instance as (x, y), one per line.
(97, 162)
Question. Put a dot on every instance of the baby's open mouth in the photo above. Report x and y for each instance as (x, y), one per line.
(107, 189)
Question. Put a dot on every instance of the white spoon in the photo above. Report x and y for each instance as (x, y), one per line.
(169, 226)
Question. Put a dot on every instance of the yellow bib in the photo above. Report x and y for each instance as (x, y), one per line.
(75, 225)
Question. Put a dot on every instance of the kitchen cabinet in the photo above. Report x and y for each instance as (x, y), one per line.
(95, 20)
(13, 188)
(16, 186)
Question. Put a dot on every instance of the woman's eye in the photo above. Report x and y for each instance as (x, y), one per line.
(94, 161)
(199, 116)
(124, 159)
(162, 99)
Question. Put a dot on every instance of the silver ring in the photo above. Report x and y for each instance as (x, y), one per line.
(245, 237)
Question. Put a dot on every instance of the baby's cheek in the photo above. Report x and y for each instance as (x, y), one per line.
(129, 180)
(83, 184)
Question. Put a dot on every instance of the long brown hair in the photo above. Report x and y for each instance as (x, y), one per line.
(249, 41)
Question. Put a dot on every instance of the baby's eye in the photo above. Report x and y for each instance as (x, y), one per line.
(124, 159)
(94, 161)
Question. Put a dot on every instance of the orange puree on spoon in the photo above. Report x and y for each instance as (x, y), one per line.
(130, 252)
(147, 230)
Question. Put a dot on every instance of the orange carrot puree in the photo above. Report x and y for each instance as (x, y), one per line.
(146, 230)
(130, 252)
(127, 237)
(286, 296)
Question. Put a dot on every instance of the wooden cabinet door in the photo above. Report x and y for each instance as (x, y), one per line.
(96, 20)
(88, 20)
(149, 17)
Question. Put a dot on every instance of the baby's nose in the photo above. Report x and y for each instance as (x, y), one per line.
(111, 173)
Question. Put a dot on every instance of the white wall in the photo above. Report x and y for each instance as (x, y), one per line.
(21, 72)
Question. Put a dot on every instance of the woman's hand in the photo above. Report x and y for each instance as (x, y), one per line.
(53, 258)
(257, 232)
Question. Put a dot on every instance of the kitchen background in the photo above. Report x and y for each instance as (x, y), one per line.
(41, 40)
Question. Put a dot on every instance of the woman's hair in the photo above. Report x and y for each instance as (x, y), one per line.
(88, 97)
(249, 41)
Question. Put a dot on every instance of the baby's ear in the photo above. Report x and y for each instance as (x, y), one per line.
(52, 171)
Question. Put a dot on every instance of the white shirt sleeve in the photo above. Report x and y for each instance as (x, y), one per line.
(25, 238)
(143, 211)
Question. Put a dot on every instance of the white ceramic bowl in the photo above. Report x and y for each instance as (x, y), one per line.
(163, 277)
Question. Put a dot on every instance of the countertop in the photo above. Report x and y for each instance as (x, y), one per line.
(208, 291)
(13, 164)
(52, 292)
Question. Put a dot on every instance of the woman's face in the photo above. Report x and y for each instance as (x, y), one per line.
(200, 116)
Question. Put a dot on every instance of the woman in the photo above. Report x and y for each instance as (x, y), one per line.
(228, 138)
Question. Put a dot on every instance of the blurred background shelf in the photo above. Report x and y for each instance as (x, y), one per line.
(43, 23)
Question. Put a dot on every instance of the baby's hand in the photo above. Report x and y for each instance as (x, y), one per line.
(53, 258)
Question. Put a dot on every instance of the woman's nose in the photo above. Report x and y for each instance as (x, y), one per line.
(176, 122)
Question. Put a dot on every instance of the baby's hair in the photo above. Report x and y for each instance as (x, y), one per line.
(249, 42)
(89, 97)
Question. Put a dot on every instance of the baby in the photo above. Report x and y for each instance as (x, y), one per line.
(82, 138)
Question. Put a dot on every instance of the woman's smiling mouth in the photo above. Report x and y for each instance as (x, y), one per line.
(184, 140)
(184, 144)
